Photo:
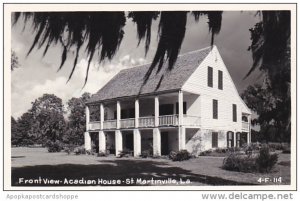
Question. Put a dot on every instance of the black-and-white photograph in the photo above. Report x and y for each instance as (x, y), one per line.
(150, 98)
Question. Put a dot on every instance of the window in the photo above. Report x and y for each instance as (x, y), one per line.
(238, 139)
(210, 76)
(234, 112)
(220, 80)
(215, 109)
(214, 138)
(184, 108)
(230, 139)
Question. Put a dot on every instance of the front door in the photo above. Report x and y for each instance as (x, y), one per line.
(164, 143)
(129, 141)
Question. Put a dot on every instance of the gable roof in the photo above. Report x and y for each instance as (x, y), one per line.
(129, 82)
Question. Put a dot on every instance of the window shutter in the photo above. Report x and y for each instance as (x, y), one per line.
(210, 76)
(215, 109)
(234, 115)
(220, 80)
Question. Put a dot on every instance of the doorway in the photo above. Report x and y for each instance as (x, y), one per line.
(164, 143)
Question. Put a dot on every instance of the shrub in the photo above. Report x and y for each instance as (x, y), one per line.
(146, 154)
(102, 154)
(205, 153)
(266, 161)
(56, 146)
(263, 162)
(221, 150)
(180, 155)
(125, 153)
(286, 150)
(240, 163)
(79, 150)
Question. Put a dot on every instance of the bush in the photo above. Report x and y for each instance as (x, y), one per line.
(286, 150)
(56, 146)
(221, 150)
(146, 154)
(240, 163)
(102, 154)
(266, 161)
(205, 153)
(263, 162)
(125, 153)
(79, 150)
(180, 155)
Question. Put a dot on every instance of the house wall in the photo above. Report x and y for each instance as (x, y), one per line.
(193, 104)
(198, 140)
(197, 84)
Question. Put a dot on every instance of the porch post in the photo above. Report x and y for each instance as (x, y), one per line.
(234, 139)
(101, 116)
(87, 141)
(87, 117)
(118, 142)
(137, 113)
(156, 111)
(180, 108)
(102, 142)
(181, 138)
(156, 142)
(118, 114)
(136, 142)
(249, 132)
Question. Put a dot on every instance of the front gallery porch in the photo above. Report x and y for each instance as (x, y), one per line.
(144, 123)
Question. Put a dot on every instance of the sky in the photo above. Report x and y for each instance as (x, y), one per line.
(38, 75)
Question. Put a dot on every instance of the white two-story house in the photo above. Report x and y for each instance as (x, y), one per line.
(195, 106)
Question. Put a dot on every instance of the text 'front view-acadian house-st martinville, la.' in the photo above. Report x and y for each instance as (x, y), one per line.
(193, 107)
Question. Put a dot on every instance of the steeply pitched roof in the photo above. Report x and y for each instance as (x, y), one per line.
(129, 82)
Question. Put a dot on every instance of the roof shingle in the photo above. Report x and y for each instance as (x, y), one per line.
(129, 82)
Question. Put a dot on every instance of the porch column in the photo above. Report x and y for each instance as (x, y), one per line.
(234, 139)
(118, 142)
(249, 132)
(118, 114)
(180, 108)
(156, 142)
(181, 138)
(102, 142)
(136, 142)
(87, 141)
(137, 113)
(87, 117)
(101, 116)
(156, 111)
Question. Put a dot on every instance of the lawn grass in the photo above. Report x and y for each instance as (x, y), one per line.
(30, 163)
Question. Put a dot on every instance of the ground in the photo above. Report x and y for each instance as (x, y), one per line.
(32, 163)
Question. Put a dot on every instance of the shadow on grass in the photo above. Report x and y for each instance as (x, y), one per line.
(113, 170)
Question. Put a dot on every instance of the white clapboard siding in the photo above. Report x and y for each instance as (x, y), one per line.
(197, 84)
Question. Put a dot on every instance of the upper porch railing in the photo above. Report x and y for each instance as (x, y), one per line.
(165, 120)
(245, 126)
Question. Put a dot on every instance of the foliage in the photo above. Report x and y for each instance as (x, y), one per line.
(22, 130)
(262, 162)
(125, 153)
(103, 32)
(286, 150)
(79, 150)
(55, 146)
(273, 112)
(76, 124)
(102, 154)
(14, 61)
(180, 155)
(146, 154)
(240, 163)
(266, 161)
